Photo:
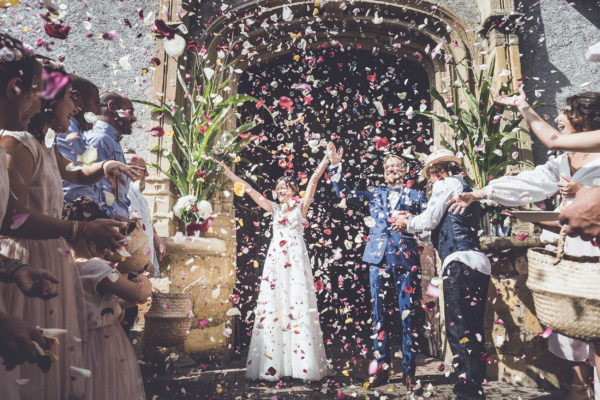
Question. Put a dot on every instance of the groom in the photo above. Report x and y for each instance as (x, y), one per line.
(390, 255)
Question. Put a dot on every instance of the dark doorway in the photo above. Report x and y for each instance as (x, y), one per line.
(359, 100)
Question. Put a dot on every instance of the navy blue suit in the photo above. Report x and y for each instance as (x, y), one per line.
(389, 253)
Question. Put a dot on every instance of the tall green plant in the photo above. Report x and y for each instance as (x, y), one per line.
(480, 131)
(198, 128)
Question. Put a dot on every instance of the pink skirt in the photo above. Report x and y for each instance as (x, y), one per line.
(115, 371)
(66, 311)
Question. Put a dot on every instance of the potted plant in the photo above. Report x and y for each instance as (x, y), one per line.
(200, 138)
(480, 132)
(200, 127)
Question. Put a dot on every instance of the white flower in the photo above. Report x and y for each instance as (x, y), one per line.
(204, 209)
(184, 203)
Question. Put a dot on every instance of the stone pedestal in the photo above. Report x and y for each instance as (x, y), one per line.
(204, 267)
(520, 354)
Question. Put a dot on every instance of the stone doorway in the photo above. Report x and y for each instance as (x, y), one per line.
(360, 100)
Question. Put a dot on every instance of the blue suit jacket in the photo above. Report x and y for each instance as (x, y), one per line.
(399, 249)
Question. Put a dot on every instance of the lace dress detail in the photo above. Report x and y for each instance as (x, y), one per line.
(287, 339)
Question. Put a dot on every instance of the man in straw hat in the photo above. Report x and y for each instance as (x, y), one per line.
(466, 270)
(390, 255)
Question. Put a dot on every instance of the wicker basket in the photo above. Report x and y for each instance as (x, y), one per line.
(168, 320)
(138, 247)
(566, 291)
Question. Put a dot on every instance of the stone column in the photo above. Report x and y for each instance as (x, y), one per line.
(499, 28)
(159, 193)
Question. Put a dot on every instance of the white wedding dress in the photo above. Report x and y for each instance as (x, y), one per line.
(287, 339)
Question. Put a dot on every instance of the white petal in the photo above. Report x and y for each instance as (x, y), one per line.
(232, 312)
(89, 156)
(124, 63)
(209, 72)
(49, 138)
(90, 117)
(80, 372)
(174, 47)
(287, 14)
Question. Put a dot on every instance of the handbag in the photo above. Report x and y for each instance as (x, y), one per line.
(566, 290)
(138, 248)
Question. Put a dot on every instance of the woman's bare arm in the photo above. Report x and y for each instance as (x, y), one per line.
(312, 185)
(551, 137)
(256, 196)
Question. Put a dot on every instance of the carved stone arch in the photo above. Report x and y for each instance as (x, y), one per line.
(407, 28)
(410, 29)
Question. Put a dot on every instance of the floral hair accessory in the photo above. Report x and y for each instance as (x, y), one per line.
(13, 50)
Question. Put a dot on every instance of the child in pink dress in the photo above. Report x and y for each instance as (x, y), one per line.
(108, 352)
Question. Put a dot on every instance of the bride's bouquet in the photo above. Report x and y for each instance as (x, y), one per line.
(197, 215)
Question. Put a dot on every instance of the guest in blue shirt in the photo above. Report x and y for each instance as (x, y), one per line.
(72, 144)
(115, 120)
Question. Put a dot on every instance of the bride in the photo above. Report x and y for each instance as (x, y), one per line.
(286, 338)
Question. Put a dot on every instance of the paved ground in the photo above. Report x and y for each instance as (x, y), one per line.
(346, 382)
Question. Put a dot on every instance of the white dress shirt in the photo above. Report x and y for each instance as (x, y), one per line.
(393, 197)
(443, 191)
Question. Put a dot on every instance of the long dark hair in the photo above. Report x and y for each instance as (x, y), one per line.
(46, 115)
(17, 61)
(583, 111)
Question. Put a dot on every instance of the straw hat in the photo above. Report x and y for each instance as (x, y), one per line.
(438, 156)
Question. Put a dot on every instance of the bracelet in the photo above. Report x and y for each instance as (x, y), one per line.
(102, 165)
(8, 269)
(81, 232)
(522, 110)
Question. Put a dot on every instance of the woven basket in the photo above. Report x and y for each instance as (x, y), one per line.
(168, 320)
(566, 291)
(138, 247)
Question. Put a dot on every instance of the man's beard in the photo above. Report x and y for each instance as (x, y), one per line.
(393, 179)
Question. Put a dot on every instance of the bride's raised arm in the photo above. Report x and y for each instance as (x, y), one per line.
(312, 185)
(256, 196)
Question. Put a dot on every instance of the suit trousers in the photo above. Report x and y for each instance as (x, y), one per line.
(465, 296)
(407, 285)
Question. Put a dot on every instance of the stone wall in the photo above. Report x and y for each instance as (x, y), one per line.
(87, 54)
(553, 40)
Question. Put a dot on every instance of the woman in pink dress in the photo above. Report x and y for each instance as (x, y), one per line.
(108, 352)
(20, 78)
(34, 211)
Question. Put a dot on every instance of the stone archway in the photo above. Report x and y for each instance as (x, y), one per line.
(411, 29)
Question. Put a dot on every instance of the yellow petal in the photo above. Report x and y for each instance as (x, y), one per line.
(255, 264)
(268, 356)
(302, 193)
(239, 189)
(464, 340)
(345, 372)
(315, 11)
(296, 57)
(237, 159)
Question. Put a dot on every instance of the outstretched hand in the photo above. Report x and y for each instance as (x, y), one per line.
(460, 203)
(114, 171)
(335, 156)
(512, 101)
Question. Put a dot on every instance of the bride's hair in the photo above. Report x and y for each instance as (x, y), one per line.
(291, 182)
(583, 111)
